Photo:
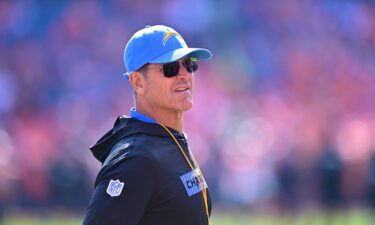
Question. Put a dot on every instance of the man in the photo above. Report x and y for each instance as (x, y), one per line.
(149, 176)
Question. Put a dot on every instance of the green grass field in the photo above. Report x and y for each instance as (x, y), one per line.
(353, 217)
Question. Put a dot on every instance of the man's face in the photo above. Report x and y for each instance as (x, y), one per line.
(171, 94)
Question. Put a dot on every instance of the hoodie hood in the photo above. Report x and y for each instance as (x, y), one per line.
(124, 127)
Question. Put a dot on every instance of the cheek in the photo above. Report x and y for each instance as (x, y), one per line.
(157, 92)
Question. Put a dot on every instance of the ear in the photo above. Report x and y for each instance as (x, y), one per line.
(137, 80)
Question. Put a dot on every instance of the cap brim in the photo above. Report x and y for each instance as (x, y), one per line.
(171, 56)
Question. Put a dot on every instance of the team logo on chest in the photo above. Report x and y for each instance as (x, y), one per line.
(191, 182)
(115, 188)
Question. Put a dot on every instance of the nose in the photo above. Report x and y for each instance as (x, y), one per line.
(183, 73)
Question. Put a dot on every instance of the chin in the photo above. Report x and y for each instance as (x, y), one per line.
(187, 106)
(186, 109)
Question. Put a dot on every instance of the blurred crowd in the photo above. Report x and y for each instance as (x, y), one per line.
(283, 116)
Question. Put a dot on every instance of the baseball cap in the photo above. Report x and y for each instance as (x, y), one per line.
(158, 44)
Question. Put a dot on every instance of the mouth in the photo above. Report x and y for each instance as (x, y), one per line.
(182, 89)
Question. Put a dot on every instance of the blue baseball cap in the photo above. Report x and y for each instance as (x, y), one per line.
(158, 44)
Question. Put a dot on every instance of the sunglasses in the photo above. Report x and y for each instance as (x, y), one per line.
(172, 69)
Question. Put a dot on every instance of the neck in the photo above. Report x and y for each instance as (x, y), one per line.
(172, 119)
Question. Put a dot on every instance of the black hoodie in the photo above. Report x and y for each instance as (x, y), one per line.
(144, 179)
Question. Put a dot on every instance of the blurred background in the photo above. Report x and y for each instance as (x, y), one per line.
(283, 123)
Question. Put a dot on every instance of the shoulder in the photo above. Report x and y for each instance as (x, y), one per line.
(119, 151)
(128, 155)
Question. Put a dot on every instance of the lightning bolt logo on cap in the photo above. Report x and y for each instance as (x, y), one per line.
(168, 35)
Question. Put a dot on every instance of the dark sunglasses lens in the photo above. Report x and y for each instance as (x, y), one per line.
(191, 66)
(171, 69)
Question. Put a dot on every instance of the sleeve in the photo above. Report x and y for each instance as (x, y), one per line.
(123, 192)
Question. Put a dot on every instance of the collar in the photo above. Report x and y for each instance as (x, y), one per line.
(139, 116)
